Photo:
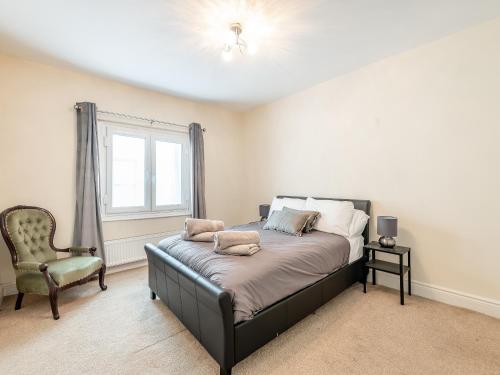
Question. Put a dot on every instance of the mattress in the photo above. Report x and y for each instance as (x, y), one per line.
(285, 265)
(356, 245)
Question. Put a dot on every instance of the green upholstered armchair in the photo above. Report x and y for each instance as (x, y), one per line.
(29, 234)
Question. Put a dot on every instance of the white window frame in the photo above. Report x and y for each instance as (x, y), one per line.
(106, 131)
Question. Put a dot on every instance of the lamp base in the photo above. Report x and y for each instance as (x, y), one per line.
(387, 241)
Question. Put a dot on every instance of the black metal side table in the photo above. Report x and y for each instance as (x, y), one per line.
(380, 265)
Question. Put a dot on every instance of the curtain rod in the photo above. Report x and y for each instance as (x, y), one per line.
(151, 121)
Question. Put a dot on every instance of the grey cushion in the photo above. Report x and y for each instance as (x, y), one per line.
(287, 222)
(311, 220)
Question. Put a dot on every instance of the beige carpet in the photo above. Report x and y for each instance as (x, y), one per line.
(121, 331)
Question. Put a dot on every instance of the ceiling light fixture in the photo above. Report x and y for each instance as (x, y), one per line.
(234, 40)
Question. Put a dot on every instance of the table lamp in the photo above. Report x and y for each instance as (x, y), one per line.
(387, 228)
(264, 211)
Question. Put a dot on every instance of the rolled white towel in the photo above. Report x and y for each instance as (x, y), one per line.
(200, 237)
(227, 239)
(197, 226)
(249, 249)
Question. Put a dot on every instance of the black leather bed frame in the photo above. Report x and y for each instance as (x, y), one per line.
(206, 309)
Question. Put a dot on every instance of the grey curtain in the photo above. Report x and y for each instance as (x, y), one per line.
(88, 224)
(197, 171)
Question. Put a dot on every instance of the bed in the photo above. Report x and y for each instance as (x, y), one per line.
(233, 315)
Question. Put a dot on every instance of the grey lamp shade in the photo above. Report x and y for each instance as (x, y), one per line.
(387, 226)
(264, 210)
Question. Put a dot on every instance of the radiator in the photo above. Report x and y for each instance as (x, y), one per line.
(131, 249)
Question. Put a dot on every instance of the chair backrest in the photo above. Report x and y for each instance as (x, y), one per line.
(28, 232)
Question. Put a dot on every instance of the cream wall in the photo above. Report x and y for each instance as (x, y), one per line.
(38, 145)
(418, 134)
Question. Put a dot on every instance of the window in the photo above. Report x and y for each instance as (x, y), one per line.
(144, 172)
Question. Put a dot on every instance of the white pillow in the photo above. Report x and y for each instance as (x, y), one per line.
(336, 216)
(358, 223)
(279, 203)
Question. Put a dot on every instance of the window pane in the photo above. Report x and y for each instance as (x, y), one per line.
(128, 171)
(168, 173)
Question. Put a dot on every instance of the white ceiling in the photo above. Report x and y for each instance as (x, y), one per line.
(166, 45)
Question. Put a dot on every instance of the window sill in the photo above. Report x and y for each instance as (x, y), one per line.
(144, 215)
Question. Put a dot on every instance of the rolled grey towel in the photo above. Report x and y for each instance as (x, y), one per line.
(226, 239)
(197, 226)
(239, 250)
(200, 237)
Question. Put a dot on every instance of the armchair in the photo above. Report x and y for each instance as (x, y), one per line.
(29, 234)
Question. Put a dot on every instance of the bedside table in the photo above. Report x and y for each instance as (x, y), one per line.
(380, 265)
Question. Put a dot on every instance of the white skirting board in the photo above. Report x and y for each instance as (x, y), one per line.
(129, 253)
(437, 293)
(7, 289)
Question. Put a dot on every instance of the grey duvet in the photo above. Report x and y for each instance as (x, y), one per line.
(285, 265)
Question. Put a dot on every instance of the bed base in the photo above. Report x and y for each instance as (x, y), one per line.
(207, 312)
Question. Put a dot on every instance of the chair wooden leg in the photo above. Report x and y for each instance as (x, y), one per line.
(102, 272)
(19, 301)
(53, 292)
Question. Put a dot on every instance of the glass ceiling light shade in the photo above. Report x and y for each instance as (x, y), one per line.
(227, 54)
(252, 48)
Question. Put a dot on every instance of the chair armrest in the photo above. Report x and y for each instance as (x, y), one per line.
(79, 250)
(48, 278)
(31, 266)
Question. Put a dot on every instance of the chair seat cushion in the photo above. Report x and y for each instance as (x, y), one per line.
(68, 270)
(64, 271)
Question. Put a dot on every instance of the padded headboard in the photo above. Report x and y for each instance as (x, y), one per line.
(359, 204)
